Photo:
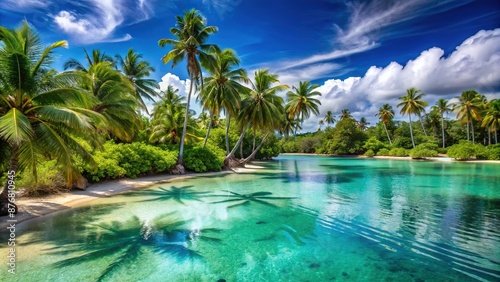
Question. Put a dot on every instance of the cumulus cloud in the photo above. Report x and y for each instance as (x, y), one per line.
(99, 24)
(473, 65)
(183, 87)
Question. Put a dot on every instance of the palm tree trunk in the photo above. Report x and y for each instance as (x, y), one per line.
(411, 132)
(254, 137)
(422, 124)
(228, 123)
(241, 150)
(468, 135)
(472, 129)
(184, 128)
(208, 131)
(252, 155)
(496, 138)
(489, 136)
(231, 154)
(387, 132)
(5, 204)
(442, 129)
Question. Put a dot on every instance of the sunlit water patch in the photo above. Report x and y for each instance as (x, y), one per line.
(301, 218)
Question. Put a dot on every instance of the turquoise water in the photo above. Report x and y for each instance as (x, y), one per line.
(299, 218)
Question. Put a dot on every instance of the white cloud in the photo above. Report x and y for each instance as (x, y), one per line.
(473, 65)
(182, 86)
(101, 23)
(16, 5)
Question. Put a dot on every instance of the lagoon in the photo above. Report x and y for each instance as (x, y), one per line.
(298, 218)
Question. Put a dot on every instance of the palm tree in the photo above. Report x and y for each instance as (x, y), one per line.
(288, 126)
(363, 123)
(492, 117)
(385, 114)
(97, 57)
(138, 71)
(345, 114)
(168, 118)
(37, 117)
(443, 107)
(412, 103)
(191, 34)
(222, 88)
(468, 108)
(329, 118)
(115, 99)
(301, 102)
(321, 123)
(263, 109)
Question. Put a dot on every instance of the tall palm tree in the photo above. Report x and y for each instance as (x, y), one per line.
(321, 123)
(262, 110)
(191, 32)
(329, 118)
(97, 57)
(412, 103)
(301, 102)
(138, 71)
(443, 107)
(37, 117)
(363, 123)
(345, 114)
(491, 119)
(223, 88)
(385, 114)
(468, 107)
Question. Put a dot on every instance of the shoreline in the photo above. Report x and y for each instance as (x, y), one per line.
(34, 207)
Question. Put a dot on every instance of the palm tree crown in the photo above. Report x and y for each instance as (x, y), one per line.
(385, 114)
(468, 107)
(412, 103)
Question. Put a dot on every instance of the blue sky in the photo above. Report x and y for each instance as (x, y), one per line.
(361, 53)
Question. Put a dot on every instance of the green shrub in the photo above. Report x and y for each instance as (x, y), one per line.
(383, 152)
(462, 151)
(49, 179)
(374, 145)
(398, 152)
(425, 150)
(370, 153)
(481, 152)
(131, 160)
(442, 150)
(204, 159)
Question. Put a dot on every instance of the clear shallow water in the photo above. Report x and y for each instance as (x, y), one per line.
(301, 218)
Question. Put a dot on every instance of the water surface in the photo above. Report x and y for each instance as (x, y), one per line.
(300, 218)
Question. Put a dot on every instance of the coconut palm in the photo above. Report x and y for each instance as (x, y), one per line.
(288, 126)
(345, 114)
(363, 123)
(491, 119)
(97, 57)
(321, 123)
(115, 99)
(262, 110)
(330, 118)
(191, 34)
(412, 103)
(138, 71)
(443, 107)
(37, 117)
(168, 119)
(223, 88)
(385, 114)
(468, 107)
(301, 102)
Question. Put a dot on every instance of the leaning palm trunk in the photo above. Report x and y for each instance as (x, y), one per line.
(252, 155)
(5, 204)
(241, 150)
(411, 133)
(387, 132)
(208, 131)
(184, 128)
(242, 135)
(228, 123)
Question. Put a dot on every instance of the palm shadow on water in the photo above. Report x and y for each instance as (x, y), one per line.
(125, 241)
(261, 197)
(178, 194)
